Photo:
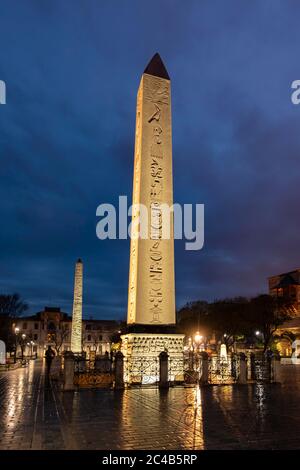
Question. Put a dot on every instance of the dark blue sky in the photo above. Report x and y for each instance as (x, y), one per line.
(72, 70)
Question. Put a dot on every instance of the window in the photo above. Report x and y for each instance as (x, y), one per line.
(88, 327)
(51, 326)
(24, 326)
(35, 336)
(89, 337)
(100, 338)
(36, 326)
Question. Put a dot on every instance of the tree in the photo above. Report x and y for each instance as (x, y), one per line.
(11, 306)
(228, 319)
(59, 335)
(267, 313)
(194, 317)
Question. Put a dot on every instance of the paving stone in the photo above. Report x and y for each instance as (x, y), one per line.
(35, 414)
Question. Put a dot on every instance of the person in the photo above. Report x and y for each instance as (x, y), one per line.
(49, 355)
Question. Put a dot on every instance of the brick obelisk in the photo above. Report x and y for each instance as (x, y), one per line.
(76, 335)
(151, 292)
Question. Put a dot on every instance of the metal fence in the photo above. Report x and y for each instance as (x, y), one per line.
(93, 373)
(145, 370)
(220, 371)
(141, 370)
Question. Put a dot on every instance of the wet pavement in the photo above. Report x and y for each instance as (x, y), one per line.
(35, 414)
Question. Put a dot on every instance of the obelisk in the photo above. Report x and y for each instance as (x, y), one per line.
(76, 335)
(151, 292)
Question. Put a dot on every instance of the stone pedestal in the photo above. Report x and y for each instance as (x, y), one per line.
(69, 367)
(204, 368)
(141, 357)
(119, 371)
(242, 378)
(276, 370)
(163, 369)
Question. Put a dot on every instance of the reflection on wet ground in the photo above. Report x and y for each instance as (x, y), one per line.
(35, 414)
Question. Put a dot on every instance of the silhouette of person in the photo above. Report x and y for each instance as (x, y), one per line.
(49, 355)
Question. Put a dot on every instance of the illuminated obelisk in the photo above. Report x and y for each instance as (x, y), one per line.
(151, 292)
(76, 335)
(151, 298)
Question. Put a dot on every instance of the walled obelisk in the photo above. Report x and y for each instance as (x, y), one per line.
(151, 291)
(151, 296)
(76, 335)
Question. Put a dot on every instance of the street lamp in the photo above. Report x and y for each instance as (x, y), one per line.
(22, 346)
(17, 330)
(198, 338)
(31, 352)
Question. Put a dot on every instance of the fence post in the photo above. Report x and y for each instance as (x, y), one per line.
(252, 366)
(204, 368)
(163, 369)
(276, 370)
(242, 378)
(233, 362)
(69, 366)
(119, 371)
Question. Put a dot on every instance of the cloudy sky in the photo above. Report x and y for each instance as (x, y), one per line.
(72, 70)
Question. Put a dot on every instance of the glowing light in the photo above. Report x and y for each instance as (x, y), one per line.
(198, 337)
(223, 353)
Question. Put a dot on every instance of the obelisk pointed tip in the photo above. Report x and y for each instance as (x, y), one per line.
(157, 68)
(79, 260)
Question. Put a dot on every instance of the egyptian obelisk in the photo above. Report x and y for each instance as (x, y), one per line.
(76, 335)
(151, 296)
(151, 293)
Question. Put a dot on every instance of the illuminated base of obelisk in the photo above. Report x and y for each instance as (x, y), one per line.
(141, 352)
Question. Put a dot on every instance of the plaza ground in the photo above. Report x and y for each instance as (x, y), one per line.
(35, 414)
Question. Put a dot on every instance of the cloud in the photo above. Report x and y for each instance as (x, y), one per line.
(67, 139)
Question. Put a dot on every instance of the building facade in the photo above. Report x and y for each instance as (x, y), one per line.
(52, 327)
(288, 285)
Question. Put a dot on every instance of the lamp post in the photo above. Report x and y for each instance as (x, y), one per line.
(17, 330)
(197, 340)
(31, 352)
(22, 346)
(190, 349)
(259, 335)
